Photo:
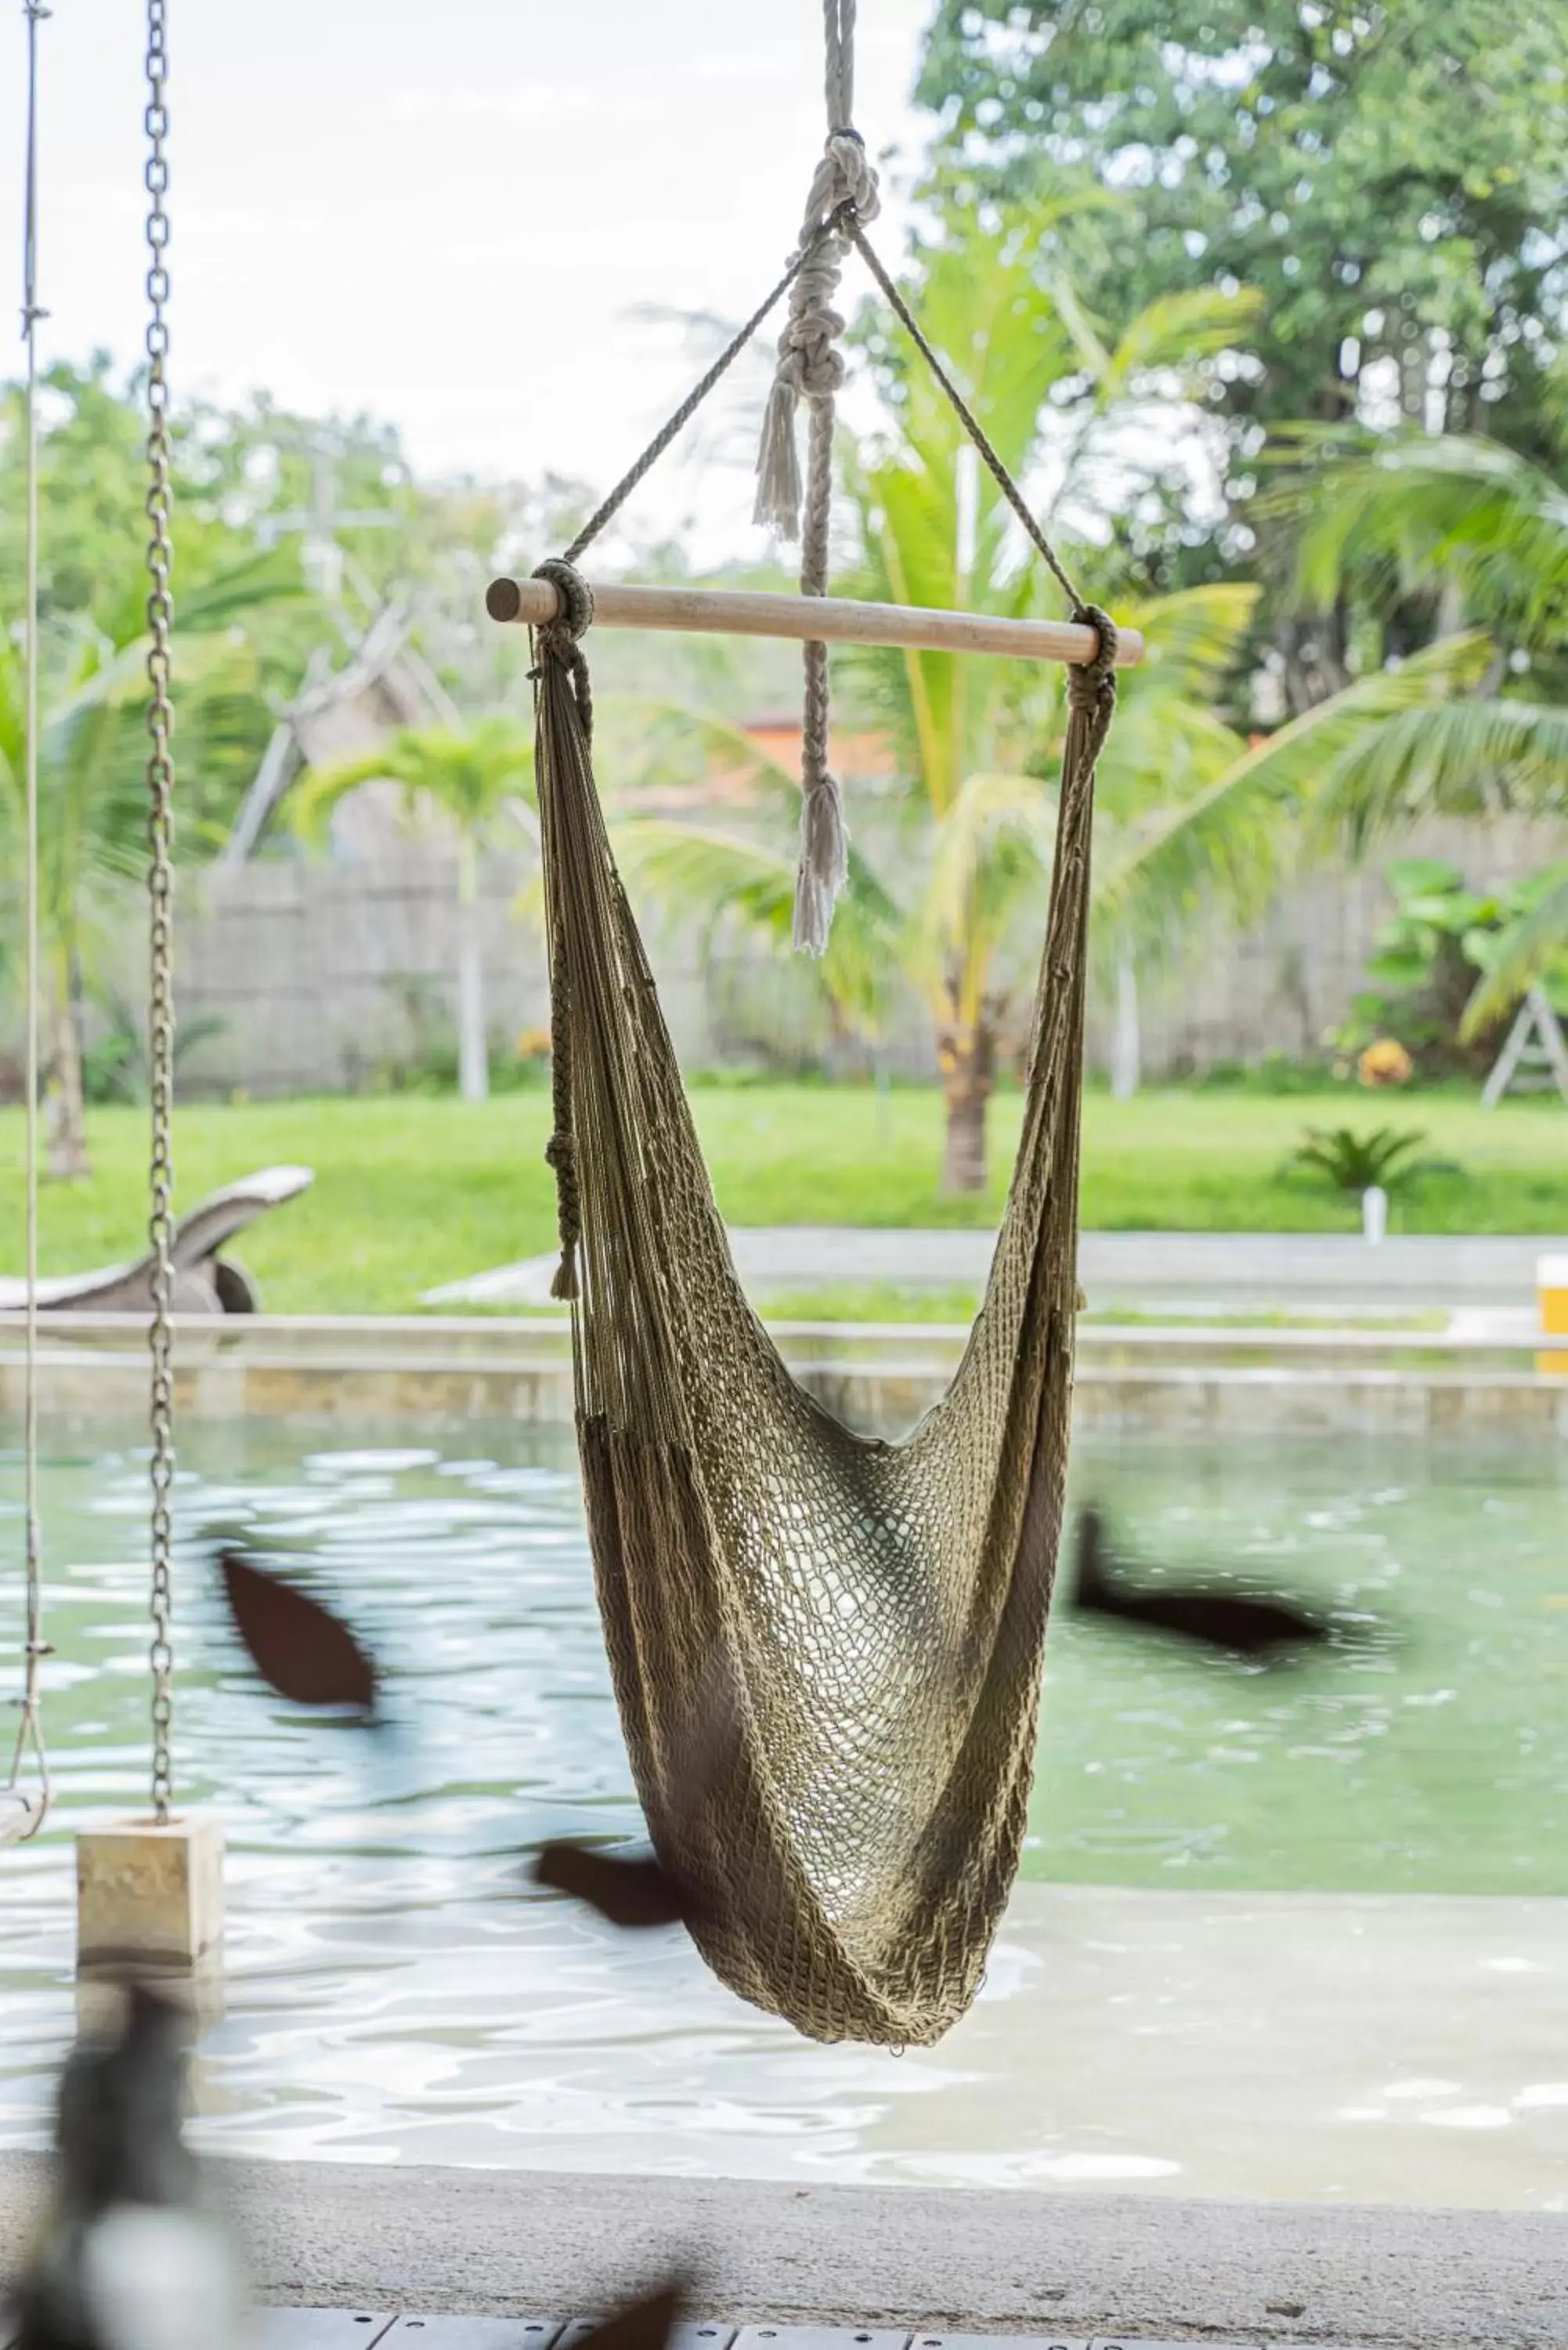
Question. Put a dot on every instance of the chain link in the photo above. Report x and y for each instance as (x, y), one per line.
(161, 885)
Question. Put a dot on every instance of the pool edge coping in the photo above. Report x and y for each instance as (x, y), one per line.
(1159, 2269)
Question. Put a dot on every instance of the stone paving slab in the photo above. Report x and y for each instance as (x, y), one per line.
(412, 2240)
(1326, 1271)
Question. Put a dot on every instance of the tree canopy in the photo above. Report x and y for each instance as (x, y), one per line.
(1391, 174)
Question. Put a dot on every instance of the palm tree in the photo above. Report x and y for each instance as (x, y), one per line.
(1415, 514)
(1189, 817)
(1529, 951)
(92, 788)
(1393, 516)
(474, 777)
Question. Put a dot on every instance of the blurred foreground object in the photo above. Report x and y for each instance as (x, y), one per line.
(1257, 1628)
(128, 2259)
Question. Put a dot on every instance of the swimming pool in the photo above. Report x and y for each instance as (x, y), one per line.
(1278, 1933)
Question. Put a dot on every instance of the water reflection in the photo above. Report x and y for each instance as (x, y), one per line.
(1191, 2014)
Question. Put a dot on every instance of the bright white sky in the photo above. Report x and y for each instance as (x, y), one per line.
(450, 215)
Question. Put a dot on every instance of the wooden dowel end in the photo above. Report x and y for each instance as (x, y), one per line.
(504, 599)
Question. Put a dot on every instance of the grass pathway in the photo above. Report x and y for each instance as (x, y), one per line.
(413, 1191)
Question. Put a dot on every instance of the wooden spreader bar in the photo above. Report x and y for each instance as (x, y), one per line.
(817, 619)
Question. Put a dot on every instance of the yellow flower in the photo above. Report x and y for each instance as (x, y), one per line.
(1385, 1063)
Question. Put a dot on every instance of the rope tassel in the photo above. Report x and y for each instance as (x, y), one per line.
(810, 363)
(778, 465)
(824, 865)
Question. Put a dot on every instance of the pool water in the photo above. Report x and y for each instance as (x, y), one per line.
(1309, 1939)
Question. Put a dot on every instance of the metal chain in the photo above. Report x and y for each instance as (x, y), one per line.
(161, 885)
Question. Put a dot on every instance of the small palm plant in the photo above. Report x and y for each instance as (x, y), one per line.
(1381, 1160)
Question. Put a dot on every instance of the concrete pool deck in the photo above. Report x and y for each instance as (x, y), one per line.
(1063, 2270)
(1148, 1377)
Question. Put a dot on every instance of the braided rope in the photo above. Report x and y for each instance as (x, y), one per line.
(612, 505)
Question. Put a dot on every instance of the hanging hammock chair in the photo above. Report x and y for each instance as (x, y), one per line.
(826, 1649)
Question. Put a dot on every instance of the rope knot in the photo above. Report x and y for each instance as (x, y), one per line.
(1092, 684)
(844, 181)
(576, 615)
(560, 638)
(1087, 679)
(810, 364)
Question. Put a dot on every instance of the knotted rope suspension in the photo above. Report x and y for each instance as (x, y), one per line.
(810, 363)
(811, 367)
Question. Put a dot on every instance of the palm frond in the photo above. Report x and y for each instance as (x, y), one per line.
(723, 741)
(1287, 796)
(1458, 757)
(990, 813)
(1193, 638)
(722, 882)
(1175, 333)
(1521, 955)
(471, 774)
(1423, 508)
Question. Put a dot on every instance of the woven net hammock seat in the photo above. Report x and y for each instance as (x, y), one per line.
(826, 1649)
(866, 1619)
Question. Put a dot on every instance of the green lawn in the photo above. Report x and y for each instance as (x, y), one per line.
(411, 1191)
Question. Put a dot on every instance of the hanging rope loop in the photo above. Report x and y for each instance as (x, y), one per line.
(576, 616)
(559, 644)
(844, 194)
(1092, 684)
(561, 640)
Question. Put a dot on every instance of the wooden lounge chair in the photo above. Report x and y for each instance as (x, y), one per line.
(205, 1281)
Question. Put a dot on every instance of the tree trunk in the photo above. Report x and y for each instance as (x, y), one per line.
(473, 1045)
(1126, 1049)
(967, 1059)
(64, 1116)
(1314, 666)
